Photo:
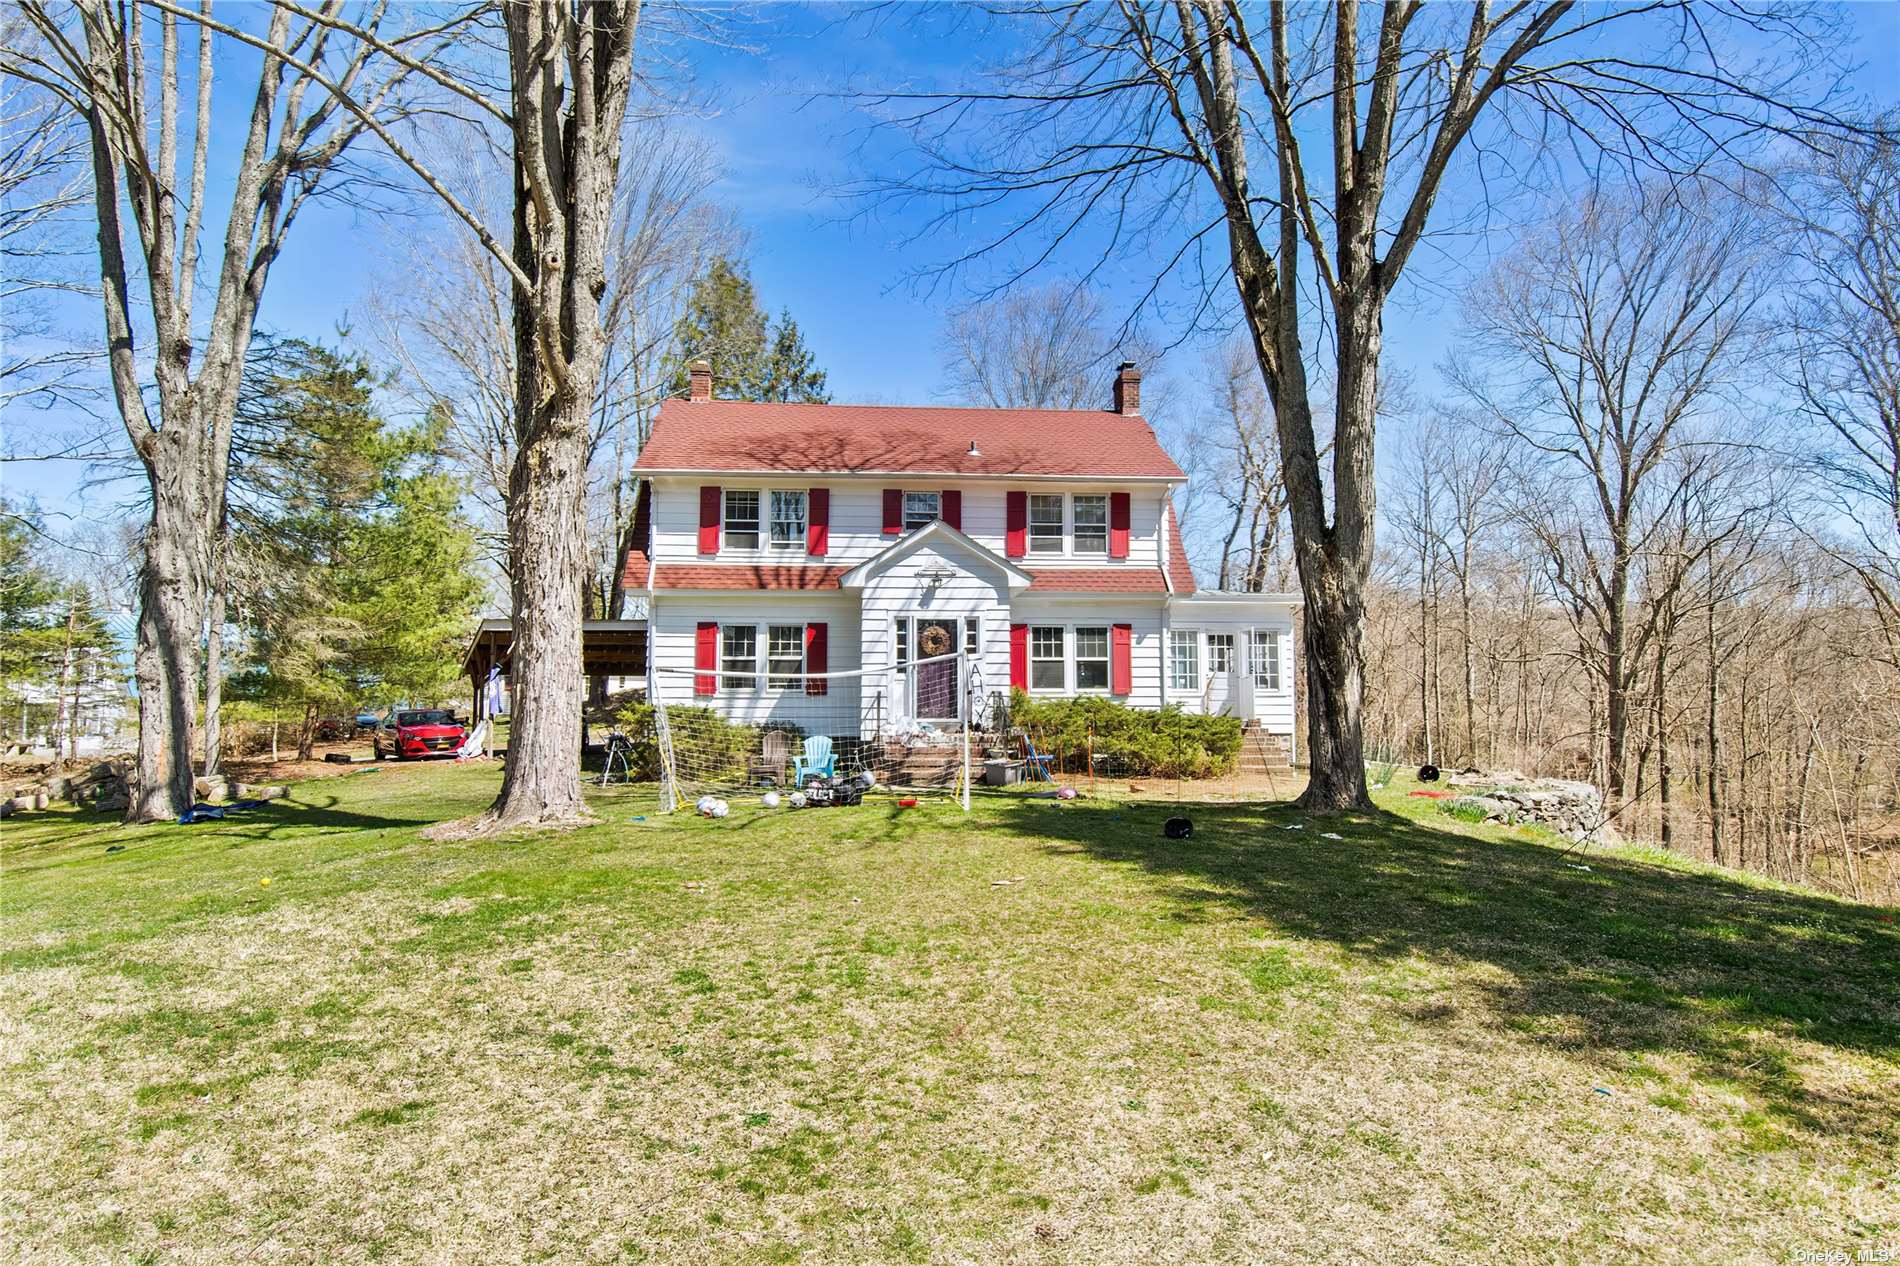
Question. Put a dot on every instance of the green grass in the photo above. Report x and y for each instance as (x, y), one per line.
(844, 1042)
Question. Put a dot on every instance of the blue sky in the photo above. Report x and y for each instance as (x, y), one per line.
(785, 146)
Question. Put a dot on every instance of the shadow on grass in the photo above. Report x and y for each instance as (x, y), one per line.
(1623, 957)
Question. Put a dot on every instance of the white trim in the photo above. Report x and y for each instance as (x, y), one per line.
(1020, 476)
(861, 574)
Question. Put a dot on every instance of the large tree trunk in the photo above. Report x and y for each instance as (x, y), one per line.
(165, 659)
(214, 671)
(1335, 693)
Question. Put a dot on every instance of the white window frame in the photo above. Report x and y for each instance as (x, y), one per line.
(1263, 646)
(726, 520)
(1075, 523)
(1060, 658)
(972, 635)
(739, 680)
(797, 539)
(919, 519)
(1232, 648)
(1060, 536)
(774, 679)
(1106, 659)
(1191, 640)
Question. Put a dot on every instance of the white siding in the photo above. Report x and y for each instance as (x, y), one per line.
(857, 520)
(974, 588)
(1275, 707)
(672, 626)
(1149, 640)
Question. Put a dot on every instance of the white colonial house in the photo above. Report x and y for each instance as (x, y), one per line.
(776, 540)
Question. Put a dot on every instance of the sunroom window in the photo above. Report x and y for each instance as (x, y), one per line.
(1184, 661)
(1266, 659)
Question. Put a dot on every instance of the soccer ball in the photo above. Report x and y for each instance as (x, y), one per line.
(769, 799)
(704, 805)
(798, 800)
(720, 808)
(868, 778)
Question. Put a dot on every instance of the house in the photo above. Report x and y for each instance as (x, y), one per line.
(774, 540)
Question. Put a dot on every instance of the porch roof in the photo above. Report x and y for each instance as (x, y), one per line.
(937, 530)
(612, 647)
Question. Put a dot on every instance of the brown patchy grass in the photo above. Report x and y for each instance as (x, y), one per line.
(832, 1037)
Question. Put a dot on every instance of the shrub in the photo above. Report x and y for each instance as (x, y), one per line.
(717, 748)
(1168, 743)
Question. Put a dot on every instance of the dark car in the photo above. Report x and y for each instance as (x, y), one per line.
(414, 732)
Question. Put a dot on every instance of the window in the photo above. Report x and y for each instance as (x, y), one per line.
(738, 655)
(742, 520)
(1184, 661)
(1091, 525)
(1047, 663)
(1220, 653)
(1266, 659)
(788, 519)
(921, 509)
(1091, 659)
(785, 656)
(903, 640)
(1045, 523)
(972, 635)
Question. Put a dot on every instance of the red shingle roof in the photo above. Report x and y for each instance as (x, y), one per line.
(727, 576)
(1180, 571)
(734, 435)
(1097, 580)
(634, 574)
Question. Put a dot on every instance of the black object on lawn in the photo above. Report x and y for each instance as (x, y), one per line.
(1177, 829)
(1428, 773)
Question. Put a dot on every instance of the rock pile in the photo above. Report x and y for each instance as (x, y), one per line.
(107, 787)
(1571, 809)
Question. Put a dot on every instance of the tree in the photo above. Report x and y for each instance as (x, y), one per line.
(96, 61)
(1184, 130)
(29, 595)
(1046, 347)
(752, 358)
(1609, 343)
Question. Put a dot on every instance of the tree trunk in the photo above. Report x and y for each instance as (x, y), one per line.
(165, 657)
(1666, 831)
(307, 732)
(1335, 693)
(1716, 843)
(214, 677)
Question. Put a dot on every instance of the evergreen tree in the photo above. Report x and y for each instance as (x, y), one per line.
(355, 570)
(53, 639)
(752, 358)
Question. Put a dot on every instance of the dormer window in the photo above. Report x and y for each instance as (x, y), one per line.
(921, 509)
(788, 519)
(742, 520)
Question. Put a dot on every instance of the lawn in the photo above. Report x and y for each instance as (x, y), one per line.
(1038, 1033)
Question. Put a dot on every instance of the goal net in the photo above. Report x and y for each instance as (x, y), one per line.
(728, 733)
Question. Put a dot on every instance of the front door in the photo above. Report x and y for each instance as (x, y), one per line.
(936, 681)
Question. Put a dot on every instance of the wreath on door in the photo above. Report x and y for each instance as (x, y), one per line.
(934, 641)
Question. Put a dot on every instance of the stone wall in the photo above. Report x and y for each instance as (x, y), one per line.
(1571, 809)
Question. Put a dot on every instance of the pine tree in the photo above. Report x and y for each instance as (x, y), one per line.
(752, 358)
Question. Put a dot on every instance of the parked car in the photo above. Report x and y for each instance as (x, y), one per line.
(367, 720)
(416, 732)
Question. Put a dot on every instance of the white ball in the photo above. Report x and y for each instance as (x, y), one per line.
(705, 803)
(868, 778)
(720, 808)
(769, 799)
(798, 800)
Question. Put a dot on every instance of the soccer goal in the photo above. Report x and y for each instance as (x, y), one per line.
(828, 737)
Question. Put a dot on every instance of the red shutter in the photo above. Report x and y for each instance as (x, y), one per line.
(1016, 537)
(1121, 662)
(1019, 651)
(818, 522)
(706, 657)
(1118, 525)
(893, 511)
(709, 507)
(815, 659)
(953, 508)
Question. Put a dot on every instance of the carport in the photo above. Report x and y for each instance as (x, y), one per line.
(609, 648)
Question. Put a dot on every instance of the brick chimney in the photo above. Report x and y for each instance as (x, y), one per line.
(701, 377)
(1128, 390)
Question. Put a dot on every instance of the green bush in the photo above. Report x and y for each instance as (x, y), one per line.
(1168, 743)
(718, 749)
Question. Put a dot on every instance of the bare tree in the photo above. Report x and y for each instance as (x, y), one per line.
(1845, 352)
(1607, 343)
(1245, 477)
(97, 61)
(1041, 348)
(1181, 127)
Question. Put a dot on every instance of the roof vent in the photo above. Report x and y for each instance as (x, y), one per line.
(974, 450)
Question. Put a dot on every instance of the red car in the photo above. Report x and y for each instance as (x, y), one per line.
(416, 732)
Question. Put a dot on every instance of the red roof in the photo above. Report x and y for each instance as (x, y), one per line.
(736, 435)
(1180, 571)
(728, 576)
(1097, 580)
(634, 574)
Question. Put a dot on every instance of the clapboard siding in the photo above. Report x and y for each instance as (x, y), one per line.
(673, 621)
(857, 520)
(1145, 656)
